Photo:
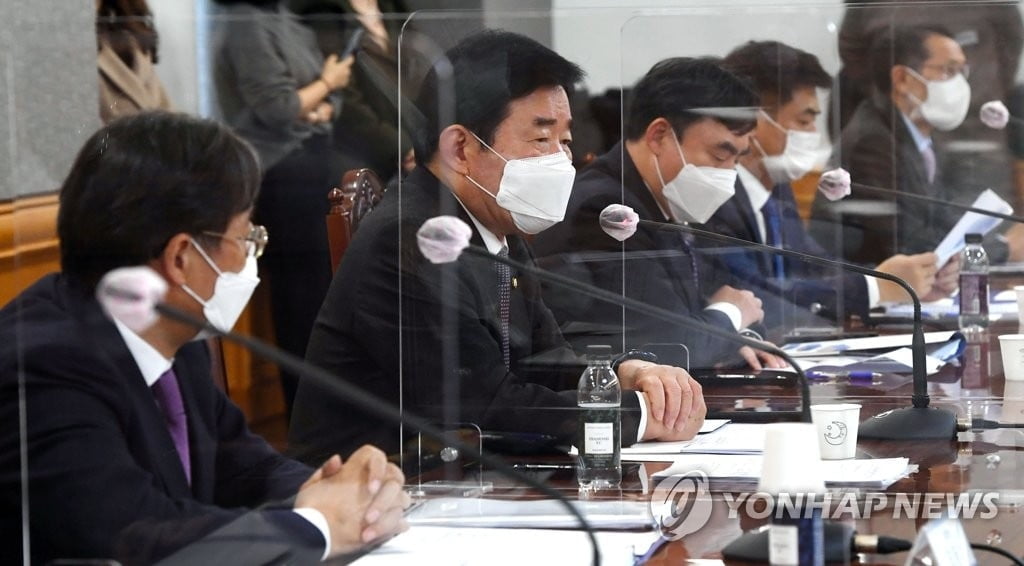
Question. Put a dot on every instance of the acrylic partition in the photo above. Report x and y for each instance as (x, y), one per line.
(353, 162)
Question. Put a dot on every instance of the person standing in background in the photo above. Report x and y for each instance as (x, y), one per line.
(127, 50)
(280, 94)
(366, 134)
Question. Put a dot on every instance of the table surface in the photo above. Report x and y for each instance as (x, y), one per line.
(972, 463)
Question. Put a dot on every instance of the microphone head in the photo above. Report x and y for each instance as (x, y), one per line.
(835, 184)
(619, 221)
(442, 238)
(994, 114)
(129, 295)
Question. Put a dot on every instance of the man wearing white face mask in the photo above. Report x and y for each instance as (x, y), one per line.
(677, 164)
(786, 146)
(920, 87)
(472, 341)
(133, 453)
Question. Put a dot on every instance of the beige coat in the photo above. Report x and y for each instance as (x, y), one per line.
(125, 90)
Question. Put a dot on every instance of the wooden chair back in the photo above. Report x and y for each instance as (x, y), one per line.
(360, 191)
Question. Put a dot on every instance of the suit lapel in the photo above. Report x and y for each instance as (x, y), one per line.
(125, 79)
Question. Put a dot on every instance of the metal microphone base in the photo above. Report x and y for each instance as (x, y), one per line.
(911, 423)
(753, 546)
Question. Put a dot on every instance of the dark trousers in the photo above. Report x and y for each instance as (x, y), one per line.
(297, 265)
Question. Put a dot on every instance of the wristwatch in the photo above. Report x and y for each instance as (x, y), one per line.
(634, 354)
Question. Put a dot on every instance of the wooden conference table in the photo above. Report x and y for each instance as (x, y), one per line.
(974, 462)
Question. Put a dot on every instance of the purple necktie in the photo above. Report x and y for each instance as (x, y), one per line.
(168, 397)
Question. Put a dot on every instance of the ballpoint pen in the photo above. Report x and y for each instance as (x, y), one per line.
(846, 374)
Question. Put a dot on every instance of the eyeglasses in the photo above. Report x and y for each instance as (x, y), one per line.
(253, 244)
(950, 71)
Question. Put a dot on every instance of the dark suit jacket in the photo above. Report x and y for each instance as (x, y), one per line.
(878, 150)
(104, 477)
(429, 336)
(653, 266)
(785, 302)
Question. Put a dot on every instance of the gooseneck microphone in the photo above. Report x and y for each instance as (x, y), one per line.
(918, 422)
(134, 296)
(443, 238)
(940, 202)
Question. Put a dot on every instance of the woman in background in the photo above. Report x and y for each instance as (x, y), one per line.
(127, 43)
(279, 93)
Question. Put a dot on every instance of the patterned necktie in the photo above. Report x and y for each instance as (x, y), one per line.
(773, 233)
(928, 155)
(504, 298)
(168, 397)
(688, 248)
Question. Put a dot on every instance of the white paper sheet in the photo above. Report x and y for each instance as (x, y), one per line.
(972, 223)
(535, 513)
(833, 347)
(457, 546)
(733, 438)
(878, 472)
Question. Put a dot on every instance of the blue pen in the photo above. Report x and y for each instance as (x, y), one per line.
(655, 547)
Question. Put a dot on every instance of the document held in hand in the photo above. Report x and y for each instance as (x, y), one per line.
(972, 223)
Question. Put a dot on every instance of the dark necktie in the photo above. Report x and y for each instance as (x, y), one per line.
(688, 248)
(773, 233)
(504, 298)
(168, 397)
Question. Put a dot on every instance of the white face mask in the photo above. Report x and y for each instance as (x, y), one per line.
(947, 103)
(802, 153)
(231, 293)
(696, 192)
(535, 190)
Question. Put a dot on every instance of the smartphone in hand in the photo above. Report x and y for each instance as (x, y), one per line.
(354, 44)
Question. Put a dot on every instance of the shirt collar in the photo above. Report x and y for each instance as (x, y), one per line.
(922, 141)
(152, 364)
(491, 242)
(756, 191)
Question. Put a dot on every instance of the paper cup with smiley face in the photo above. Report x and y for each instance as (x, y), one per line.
(837, 429)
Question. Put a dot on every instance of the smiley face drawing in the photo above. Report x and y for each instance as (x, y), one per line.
(835, 433)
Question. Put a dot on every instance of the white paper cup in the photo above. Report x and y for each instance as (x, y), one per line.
(836, 428)
(1012, 348)
(791, 462)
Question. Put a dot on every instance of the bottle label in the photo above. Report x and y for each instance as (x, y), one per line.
(599, 438)
(784, 544)
(973, 294)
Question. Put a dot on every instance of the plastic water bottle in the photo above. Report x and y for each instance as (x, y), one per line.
(599, 437)
(973, 285)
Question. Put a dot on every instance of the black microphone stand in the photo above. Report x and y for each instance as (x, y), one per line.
(918, 422)
(940, 202)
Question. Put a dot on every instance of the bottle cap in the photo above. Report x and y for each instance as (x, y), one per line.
(600, 351)
(973, 238)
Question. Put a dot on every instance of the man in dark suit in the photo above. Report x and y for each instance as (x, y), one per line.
(918, 88)
(786, 146)
(666, 128)
(471, 341)
(126, 449)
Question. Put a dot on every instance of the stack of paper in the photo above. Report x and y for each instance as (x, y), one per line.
(733, 438)
(459, 546)
(972, 223)
(539, 513)
(742, 471)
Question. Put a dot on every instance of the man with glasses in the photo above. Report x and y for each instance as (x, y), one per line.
(920, 87)
(115, 443)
